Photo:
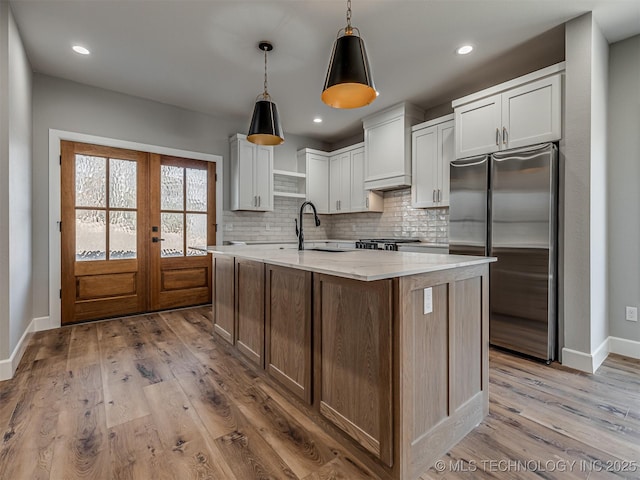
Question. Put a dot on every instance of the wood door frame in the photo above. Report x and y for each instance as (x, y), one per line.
(53, 320)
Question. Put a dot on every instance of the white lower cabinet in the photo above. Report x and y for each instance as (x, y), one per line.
(432, 147)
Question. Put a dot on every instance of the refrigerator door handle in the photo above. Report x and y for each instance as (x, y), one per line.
(457, 165)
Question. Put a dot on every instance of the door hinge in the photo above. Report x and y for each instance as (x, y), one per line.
(60, 159)
(216, 227)
(216, 177)
(60, 294)
(60, 225)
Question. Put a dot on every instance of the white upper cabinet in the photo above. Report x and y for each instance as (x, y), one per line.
(524, 111)
(432, 147)
(362, 200)
(251, 175)
(317, 178)
(387, 146)
(532, 113)
(478, 127)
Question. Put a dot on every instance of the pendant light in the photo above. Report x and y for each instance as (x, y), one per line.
(348, 83)
(265, 126)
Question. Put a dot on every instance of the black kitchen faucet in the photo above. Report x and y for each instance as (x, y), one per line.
(299, 232)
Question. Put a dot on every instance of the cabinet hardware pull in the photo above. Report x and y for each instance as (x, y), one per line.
(366, 202)
(255, 201)
(433, 196)
(504, 135)
(259, 200)
(497, 136)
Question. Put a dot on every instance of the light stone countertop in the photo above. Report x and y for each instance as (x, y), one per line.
(366, 265)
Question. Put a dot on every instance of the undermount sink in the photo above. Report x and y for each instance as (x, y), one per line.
(325, 249)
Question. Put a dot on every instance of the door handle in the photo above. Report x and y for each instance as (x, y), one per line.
(504, 135)
(497, 136)
(156, 239)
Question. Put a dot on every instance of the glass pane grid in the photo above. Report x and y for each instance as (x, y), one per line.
(90, 181)
(91, 235)
(172, 230)
(122, 235)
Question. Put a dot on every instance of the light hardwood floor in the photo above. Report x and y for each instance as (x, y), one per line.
(155, 397)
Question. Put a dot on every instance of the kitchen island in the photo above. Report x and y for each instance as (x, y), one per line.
(388, 351)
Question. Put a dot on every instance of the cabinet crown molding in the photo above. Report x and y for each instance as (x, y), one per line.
(516, 82)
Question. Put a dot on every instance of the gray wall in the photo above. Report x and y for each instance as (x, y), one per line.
(65, 105)
(584, 190)
(624, 195)
(15, 183)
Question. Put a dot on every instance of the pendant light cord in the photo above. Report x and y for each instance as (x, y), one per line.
(266, 94)
(349, 29)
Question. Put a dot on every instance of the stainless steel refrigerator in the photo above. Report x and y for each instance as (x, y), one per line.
(505, 205)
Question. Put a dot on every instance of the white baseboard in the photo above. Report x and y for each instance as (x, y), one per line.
(8, 366)
(42, 323)
(622, 346)
(577, 360)
(591, 362)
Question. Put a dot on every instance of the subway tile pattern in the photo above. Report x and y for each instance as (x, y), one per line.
(399, 220)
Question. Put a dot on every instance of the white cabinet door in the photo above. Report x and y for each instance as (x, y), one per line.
(477, 127)
(263, 177)
(424, 150)
(446, 144)
(317, 181)
(344, 200)
(358, 193)
(245, 182)
(334, 183)
(251, 175)
(532, 113)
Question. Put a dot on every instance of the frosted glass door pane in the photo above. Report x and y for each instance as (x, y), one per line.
(172, 230)
(91, 235)
(171, 188)
(122, 235)
(196, 232)
(122, 183)
(91, 181)
(196, 190)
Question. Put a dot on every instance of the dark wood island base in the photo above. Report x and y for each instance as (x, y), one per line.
(396, 368)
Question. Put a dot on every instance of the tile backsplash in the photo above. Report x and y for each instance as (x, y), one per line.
(399, 219)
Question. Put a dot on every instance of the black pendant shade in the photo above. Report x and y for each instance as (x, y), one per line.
(265, 126)
(349, 83)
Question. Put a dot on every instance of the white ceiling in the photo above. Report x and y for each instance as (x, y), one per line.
(202, 55)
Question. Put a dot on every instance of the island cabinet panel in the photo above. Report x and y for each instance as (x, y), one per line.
(353, 352)
(466, 355)
(224, 298)
(443, 341)
(288, 329)
(250, 309)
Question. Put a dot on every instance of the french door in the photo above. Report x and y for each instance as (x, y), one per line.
(129, 222)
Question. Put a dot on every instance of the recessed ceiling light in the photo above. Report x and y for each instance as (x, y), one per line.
(80, 50)
(317, 120)
(465, 49)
